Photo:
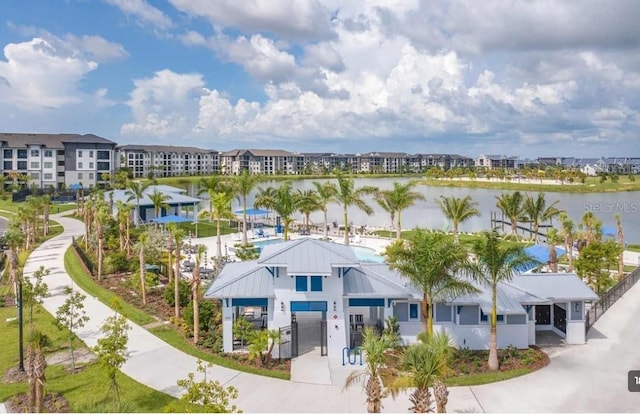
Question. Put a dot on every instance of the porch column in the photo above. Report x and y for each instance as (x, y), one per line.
(227, 325)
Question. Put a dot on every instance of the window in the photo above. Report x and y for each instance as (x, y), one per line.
(79, 153)
(60, 163)
(48, 153)
(91, 154)
(48, 176)
(35, 176)
(48, 165)
(79, 164)
(413, 311)
(35, 153)
(91, 165)
(7, 154)
(301, 283)
(103, 165)
(22, 165)
(103, 155)
(484, 318)
(79, 176)
(60, 174)
(22, 154)
(316, 283)
(7, 165)
(35, 165)
(90, 176)
(61, 152)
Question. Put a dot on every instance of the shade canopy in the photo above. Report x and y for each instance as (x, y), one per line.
(75, 186)
(541, 253)
(253, 212)
(609, 231)
(171, 219)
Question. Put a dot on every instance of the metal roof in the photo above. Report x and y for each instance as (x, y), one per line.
(242, 280)
(555, 286)
(509, 299)
(173, 192)
(373, 282)
(308, 256)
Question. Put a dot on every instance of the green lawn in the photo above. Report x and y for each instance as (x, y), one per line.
(633, 247)
(75, 268)
(85, 391)
(482, 378)
(465, 239)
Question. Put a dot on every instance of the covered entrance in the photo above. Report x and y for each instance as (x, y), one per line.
(560, 318)
(310, 319)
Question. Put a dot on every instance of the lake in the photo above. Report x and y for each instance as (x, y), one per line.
(427, 214)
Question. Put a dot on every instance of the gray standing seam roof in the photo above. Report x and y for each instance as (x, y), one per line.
(308, 256)
(365, 282)
(242, 280)
(555, 286)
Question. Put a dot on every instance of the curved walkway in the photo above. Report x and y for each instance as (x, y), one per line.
(589, 378)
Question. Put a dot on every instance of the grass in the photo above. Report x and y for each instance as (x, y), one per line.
(633, 247)
(465, 239)
(83, 390)
(175, 339)
(78, 274)
(482, 378)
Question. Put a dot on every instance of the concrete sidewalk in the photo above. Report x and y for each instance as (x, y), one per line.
(589, 378)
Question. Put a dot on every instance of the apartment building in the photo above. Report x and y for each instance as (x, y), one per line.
(57, 160)
(492, 161)
(257, 161)
(168, 161)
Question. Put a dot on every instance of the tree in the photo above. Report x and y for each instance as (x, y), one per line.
(242, 186)
(14, 238)
(425, 364)
(592, 263)
(283, 200)
(537, 211)
(210, 394)
(349, 195)
(159, 201)
(620, 238)
(111, 350)
(327, 193)
(458, 210)
(432, 262)
(591, 225)
(33, 294)
(201, 251)
(135, 190)
(375, 347)
(71, 316)
(511, 206)
(261, 341)
(140, 247)
(308, 203)
(495, 263)
(219, 209)
(102, 217)
(46, 205)
(552, 240)
(124, 229)
(568, 233)
(36, 365)
(242, 329)
(178, 236)
(396, 200)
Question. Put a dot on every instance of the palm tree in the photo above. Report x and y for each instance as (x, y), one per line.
(36, 366)
(178, 236)
(220, 208)
(102, 219)
(46, 206)
(553, 238)
(349, 195)
(620, 235)
(142, 241)
(326, 193)
(14, 238)
(135, 190)
(195, 290)
(242, 186)
(283, 200)
(496, 263)
(568, 233)
(374, 347)
(215, 184)
(396, 200)
(432, 262)
(309, 203)
(537, 211)
(422, 365)
(458, 210)
(590, 225)
(159, 201)
(511, 206)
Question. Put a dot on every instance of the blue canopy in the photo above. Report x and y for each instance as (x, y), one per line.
(540, 253)
(253, 212)
(75, 186)
(171, 219)
(609, 231)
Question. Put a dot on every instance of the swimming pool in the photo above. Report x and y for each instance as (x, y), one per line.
(261, 244)
(367, 255)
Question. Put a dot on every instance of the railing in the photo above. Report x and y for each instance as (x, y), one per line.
(83, 257)
(600, 307)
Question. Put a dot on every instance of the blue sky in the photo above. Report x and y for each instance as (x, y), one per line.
(529, 78)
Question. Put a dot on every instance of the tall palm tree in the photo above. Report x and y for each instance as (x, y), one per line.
(283, 200)
(326, 193)
(135, 190)
(396, 200)
(242, 186)
(620, 237)
(141, 245)
(308, 203)
(590, 225)
(537, 211)
(46, 206)
(159, 201)
(496, 263)
(102, 218)
(14, 238)
(511, 206)
(568, 233)
(349, 195)
(374, 347)
(195, 290)
(422, 365)
(433, 263)
(220, 208)
(553, 238)
(177, 234)
(458, 210)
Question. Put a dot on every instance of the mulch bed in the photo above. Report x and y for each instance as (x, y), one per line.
(53, 403)
(156, 305)
(273, 364)
(467, 361)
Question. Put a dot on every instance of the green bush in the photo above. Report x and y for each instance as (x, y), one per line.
(117, 262)
(151, 280)
(207, 311)
(184, 294)
(212, 341)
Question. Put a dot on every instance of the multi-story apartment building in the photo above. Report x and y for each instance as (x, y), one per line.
(57, 160)
(491, 161)
(167, 161)
(256, 161)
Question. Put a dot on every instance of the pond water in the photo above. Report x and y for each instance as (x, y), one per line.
(427, 214)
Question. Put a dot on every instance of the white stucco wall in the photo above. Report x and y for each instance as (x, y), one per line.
(575, 332)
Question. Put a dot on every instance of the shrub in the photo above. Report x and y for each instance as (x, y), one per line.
(242, 329)
(184, 293)
(117, 262)
(206, 311)
(151, 280)
(510, 352)
(212, 341)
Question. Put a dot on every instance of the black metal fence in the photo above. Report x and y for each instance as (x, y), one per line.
(600, 307)
(84, 257)
(56, 195)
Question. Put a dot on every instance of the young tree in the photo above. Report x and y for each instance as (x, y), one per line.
(537, 211)
(326, 193)
(135, 190)
(620, 237)
(178, 236)
(219, 209)
(283, 200)
(140, 247)
(511, 206)
(396, 200)
(552, 240)
(349, 195)
(458, 210)
(33, 294)
(112, 350)
(242, 186)
(71, 316)
(593, 262)
(159, 201)
(36, 365)
(210, 394)
(568, 232)
(195, 290)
